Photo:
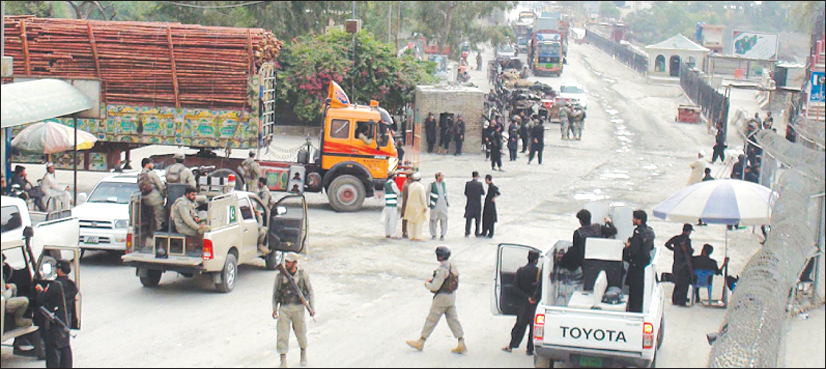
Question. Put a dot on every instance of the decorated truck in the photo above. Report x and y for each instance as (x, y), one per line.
(204, 88)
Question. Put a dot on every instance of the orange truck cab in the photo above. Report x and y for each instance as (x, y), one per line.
(357, 153)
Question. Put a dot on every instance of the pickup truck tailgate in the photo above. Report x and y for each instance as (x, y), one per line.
(593, 329)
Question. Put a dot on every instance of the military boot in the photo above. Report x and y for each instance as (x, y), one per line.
(283, 361)
(418, 344)
(303, 357)
(461, 349)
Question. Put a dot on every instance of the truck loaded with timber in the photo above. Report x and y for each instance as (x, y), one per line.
(204, 88)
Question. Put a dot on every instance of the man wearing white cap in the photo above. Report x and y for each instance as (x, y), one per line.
(416, 210)
(52, 190)
(178, 173)
(697, 169)
(288, 310)
(251, 170)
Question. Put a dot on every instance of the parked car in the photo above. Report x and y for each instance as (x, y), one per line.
(574, 93)
(506, 51)
(104, 217)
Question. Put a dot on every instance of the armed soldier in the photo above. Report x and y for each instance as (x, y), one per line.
(264, 193)
(287, 306)
(178, 173)
(153, 190)
(252, 171)
(444, 284)
(184, 218)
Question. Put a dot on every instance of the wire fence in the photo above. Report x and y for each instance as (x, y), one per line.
(768, 290)
(715, 106)
(622, 52)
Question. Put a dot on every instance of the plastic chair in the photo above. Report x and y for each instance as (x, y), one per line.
(703, 279)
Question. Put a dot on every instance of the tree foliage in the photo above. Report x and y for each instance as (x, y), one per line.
(449, 23)
(607, 9)
(308, 64)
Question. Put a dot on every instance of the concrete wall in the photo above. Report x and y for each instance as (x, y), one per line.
(467, 101)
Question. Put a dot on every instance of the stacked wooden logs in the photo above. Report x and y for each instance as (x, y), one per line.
(144, 63)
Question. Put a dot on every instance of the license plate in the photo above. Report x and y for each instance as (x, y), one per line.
(549, 66)
(591, 362)
(91, 240)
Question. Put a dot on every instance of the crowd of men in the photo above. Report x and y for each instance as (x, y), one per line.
(417, 201)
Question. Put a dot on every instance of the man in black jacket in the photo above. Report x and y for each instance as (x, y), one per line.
(537, 141)
(489, 214)
(473, 208)
(430, 132)
(576, 253)
(459, 134)
(682, 269)
(637, 253)
(525, 288)
(59, 299)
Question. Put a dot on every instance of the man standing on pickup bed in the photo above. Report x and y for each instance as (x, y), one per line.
(638, 254)
(288, 309)
(525, 287)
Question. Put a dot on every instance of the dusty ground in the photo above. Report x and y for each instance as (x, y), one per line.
(369, 291)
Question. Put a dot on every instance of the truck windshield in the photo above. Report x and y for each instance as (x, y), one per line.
(549, 49)
(115, 193)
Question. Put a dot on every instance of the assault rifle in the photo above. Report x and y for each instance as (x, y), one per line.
(297, 290)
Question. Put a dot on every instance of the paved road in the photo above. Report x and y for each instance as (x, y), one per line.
(369, 291)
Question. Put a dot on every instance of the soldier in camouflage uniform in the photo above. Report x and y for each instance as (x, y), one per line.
(178, 173)
(154, 198)
(287, 308)
(252, 171)
(444, 283)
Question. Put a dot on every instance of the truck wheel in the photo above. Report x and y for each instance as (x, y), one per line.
(228, 275)
(542, 362)
(152, 278)
(346, 194)
(272, 260)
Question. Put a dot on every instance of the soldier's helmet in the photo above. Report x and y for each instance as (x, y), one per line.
(443, 252)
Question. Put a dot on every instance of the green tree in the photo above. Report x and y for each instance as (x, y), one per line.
(311, 62)
(608, 9)
(449, 23)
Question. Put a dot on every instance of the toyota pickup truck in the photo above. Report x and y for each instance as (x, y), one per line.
(575, 322)
(234, 218)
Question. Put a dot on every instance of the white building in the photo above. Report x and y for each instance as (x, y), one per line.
(666, 58)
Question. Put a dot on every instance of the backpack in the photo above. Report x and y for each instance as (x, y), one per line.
(451, 283)
(173, 175)
(144, 183)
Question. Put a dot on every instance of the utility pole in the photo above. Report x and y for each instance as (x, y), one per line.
(389, 20)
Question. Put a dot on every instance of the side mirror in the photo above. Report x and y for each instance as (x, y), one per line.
(281, 210)
(81, 198)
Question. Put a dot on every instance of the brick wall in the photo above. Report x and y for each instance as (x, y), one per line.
(467, 101)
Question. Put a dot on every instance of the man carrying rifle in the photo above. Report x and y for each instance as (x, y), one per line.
(291, 294)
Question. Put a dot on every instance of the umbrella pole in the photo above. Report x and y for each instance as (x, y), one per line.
(74, 161)
(725, 274)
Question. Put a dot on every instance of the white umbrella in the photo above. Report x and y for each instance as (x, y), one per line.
(51, 137)
(723, 201)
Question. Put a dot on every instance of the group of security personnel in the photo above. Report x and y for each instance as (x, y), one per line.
(183, 214)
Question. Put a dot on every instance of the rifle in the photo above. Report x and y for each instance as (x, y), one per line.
(297, 290)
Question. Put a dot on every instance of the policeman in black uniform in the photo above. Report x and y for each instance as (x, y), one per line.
(525, 287)
(637, 253)
(59, 299)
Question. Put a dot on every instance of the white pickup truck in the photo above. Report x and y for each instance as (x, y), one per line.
(104, 217)
(573, 323)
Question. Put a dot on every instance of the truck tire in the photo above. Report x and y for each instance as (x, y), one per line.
(346, 194)
(151, 279)
(272, 260)
(228, 275)
(542, 362)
